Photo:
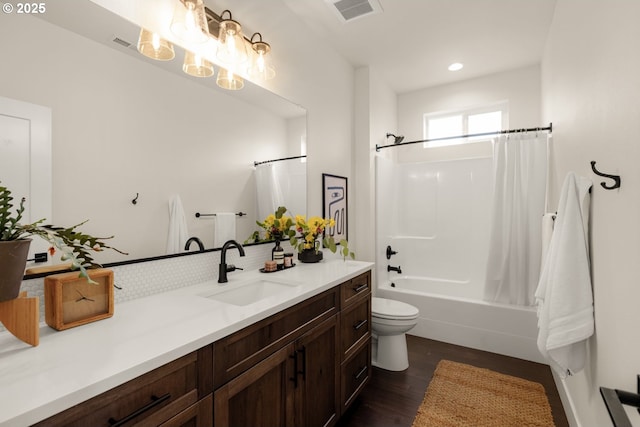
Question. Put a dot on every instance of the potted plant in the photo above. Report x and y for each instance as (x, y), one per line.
(307, 243)
(279, 226)
(75, 246)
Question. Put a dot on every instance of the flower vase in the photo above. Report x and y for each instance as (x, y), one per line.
(310, 255)
(13, 259)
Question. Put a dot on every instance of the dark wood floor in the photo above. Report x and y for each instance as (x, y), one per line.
(392, 398)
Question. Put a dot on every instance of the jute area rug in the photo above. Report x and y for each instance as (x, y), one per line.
(461, 395)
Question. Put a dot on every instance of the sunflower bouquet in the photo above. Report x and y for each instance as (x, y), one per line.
(276, 225)
(311, 229)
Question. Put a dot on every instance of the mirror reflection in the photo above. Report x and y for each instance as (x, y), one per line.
(127, 128)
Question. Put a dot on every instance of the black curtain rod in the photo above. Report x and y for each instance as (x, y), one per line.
(549, 128)
(278, 160)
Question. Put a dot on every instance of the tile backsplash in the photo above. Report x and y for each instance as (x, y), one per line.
(147, 278)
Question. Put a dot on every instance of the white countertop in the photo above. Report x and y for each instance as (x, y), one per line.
(69, 367)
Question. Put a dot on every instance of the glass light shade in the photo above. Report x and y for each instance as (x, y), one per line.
(196, 66)
(228, 80)
(151, 45)
(189, 21)
(261, 67)
(231, 47)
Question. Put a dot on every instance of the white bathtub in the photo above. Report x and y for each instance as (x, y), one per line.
(498, 328)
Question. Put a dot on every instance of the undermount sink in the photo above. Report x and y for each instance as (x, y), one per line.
(251, 292)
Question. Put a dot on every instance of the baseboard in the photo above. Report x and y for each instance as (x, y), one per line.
(567, 402)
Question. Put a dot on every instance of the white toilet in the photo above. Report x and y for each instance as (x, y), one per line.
(390, 320)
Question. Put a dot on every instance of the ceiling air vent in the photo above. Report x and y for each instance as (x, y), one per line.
(121, 42)
(349, 10)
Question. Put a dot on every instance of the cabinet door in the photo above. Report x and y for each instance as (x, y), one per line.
(199, 414)
(318, 370)
(261, 396)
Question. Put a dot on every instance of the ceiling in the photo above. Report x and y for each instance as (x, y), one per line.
(410, 43)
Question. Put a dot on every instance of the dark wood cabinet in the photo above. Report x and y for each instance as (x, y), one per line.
(198, 414)
(355, 337)
(296, 383)
(317, 400)
(302, 366)
(261, 396)
(150, 399)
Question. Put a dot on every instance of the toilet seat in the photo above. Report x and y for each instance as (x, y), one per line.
(383, 308)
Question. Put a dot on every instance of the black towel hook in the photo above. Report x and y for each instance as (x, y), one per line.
(616, 178)
(135, 201)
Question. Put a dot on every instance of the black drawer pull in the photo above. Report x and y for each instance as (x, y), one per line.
(360, 288)
(294, 356)
(361, 372)
(155, 401)
(360, 324)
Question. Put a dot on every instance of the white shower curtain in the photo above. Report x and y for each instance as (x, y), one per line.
(268, 190)
(520, 182)
(282, 183)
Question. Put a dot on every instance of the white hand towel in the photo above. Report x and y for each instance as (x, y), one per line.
(547, 231)
(564, 295)
(225, 228)
(178, 233)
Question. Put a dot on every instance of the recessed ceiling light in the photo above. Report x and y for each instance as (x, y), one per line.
(455, 66)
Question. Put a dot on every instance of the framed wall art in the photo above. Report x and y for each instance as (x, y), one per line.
(334, 202)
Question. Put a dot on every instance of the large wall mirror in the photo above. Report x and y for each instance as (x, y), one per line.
(126, 126)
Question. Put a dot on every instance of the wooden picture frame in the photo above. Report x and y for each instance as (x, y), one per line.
(334, 205)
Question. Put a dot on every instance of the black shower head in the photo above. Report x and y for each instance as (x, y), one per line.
(396, 139)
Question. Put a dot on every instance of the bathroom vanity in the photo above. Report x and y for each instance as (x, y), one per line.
(287, 348)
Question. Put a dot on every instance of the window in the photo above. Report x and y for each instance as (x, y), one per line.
(472, 121)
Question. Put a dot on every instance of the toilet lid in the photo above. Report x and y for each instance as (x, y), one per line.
(392, 309)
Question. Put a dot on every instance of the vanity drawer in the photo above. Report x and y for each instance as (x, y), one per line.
(356, 371)
(353, 289)
(149, 399)
(240, 351)
(355, 325)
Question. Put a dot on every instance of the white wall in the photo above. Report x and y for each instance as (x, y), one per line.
(591, 92)
(520, 87)
(376, 114)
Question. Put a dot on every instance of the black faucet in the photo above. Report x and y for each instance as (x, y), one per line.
(198, 242)
(397, 269)
(224, 268)
(390, 252)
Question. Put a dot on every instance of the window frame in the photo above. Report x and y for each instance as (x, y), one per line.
(502, 106)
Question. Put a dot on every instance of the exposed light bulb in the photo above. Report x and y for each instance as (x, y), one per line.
(151, 45)
(456, 66)
(189, 22)
(155, 41)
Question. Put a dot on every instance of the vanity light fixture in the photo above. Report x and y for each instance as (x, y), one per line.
(231, 46)
(152, 46)
(193, 23)
(196, 66)
(261, 66)
(227, 79)
(189, 22)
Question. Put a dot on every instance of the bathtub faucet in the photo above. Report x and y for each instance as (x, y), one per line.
(390, 252)
(397, 269)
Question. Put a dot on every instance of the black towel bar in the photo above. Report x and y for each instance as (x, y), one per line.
(198, 214)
